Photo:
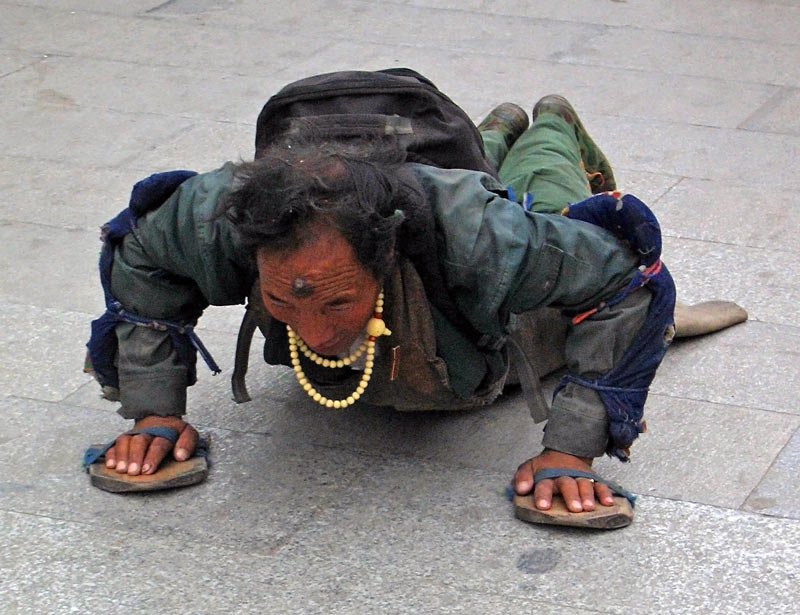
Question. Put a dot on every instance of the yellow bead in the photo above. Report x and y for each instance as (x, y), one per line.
(340, 363)
(307, 387)
(366, 378)
(360, 389)
(297, 369)
(294, 354)
(329, 403)
(337, 404)
(326, 363)
(355, 395)
(368, 370)
(318, 360)
(317, 397)
(379, 310)
(302, 380)
(347, 361)
(375, 327)
(350, 400)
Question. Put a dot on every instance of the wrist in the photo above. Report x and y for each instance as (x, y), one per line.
(553, 453)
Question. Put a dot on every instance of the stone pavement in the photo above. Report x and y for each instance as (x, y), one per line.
(371, 511)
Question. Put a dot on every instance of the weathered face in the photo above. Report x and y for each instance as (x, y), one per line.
(320, 290)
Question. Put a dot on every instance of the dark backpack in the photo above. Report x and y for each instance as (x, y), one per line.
(397, 102)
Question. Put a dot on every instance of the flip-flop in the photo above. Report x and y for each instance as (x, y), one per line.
(170, 474)
(602, 517)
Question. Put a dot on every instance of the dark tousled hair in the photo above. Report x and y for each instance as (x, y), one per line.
(296, 184)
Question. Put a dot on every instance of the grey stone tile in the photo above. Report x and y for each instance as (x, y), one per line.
(255, 497)
(735, 156)
(649, 187)
(622, 93)
(778, 494)
(753, 365)
(688, 440)
(113, 7)
(41, 351)
(407, 26)
(61, 567)
(53, 267)
(704, 210)
(701, 452)
(755, 278)
(57, 567)
(761, 21)
(58, 130)
(687, 443)
(676, 557)
(127, 88)
(153, 41)
(777, 115)
(203, 146)
(62, 194)
(687, 54)
(499, 437)
(12, 61)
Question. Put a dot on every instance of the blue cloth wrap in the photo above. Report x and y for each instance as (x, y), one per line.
(623, 390)
(147, 195)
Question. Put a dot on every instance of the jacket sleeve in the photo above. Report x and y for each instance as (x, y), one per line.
(178, 260)
(501, 260)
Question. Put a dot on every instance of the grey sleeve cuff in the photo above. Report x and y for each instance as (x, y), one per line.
(577, 423)
(152, 378)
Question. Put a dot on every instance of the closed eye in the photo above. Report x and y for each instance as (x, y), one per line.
(340, 305)
(276, 301)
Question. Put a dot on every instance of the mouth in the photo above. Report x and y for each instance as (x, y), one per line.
(329, 349)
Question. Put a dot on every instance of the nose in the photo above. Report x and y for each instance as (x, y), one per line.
(317, 333)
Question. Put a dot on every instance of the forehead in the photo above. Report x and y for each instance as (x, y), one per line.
(324, 265)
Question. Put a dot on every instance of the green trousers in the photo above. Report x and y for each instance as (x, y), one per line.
(545, 161)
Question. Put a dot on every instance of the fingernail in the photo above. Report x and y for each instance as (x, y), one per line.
(145, 468)
(133, 468)
(541, 504)
(524, 486)
(181, 454)
(110, 463)
(121, 466)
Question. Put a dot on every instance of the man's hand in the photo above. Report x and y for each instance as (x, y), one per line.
(579, 494)
(142, 453)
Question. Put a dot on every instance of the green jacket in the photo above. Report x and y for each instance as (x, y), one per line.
(497, 259)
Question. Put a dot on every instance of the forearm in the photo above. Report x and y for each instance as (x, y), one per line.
(578, 423)
(152, 378)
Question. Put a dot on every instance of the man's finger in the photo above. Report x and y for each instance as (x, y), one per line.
(568, 489)
(586, 492)
(523, 478)
(136, 452)
(187, 441)
(543, 494)
(111, 458)
(156, 452)
(604, 495)
(121, 452)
